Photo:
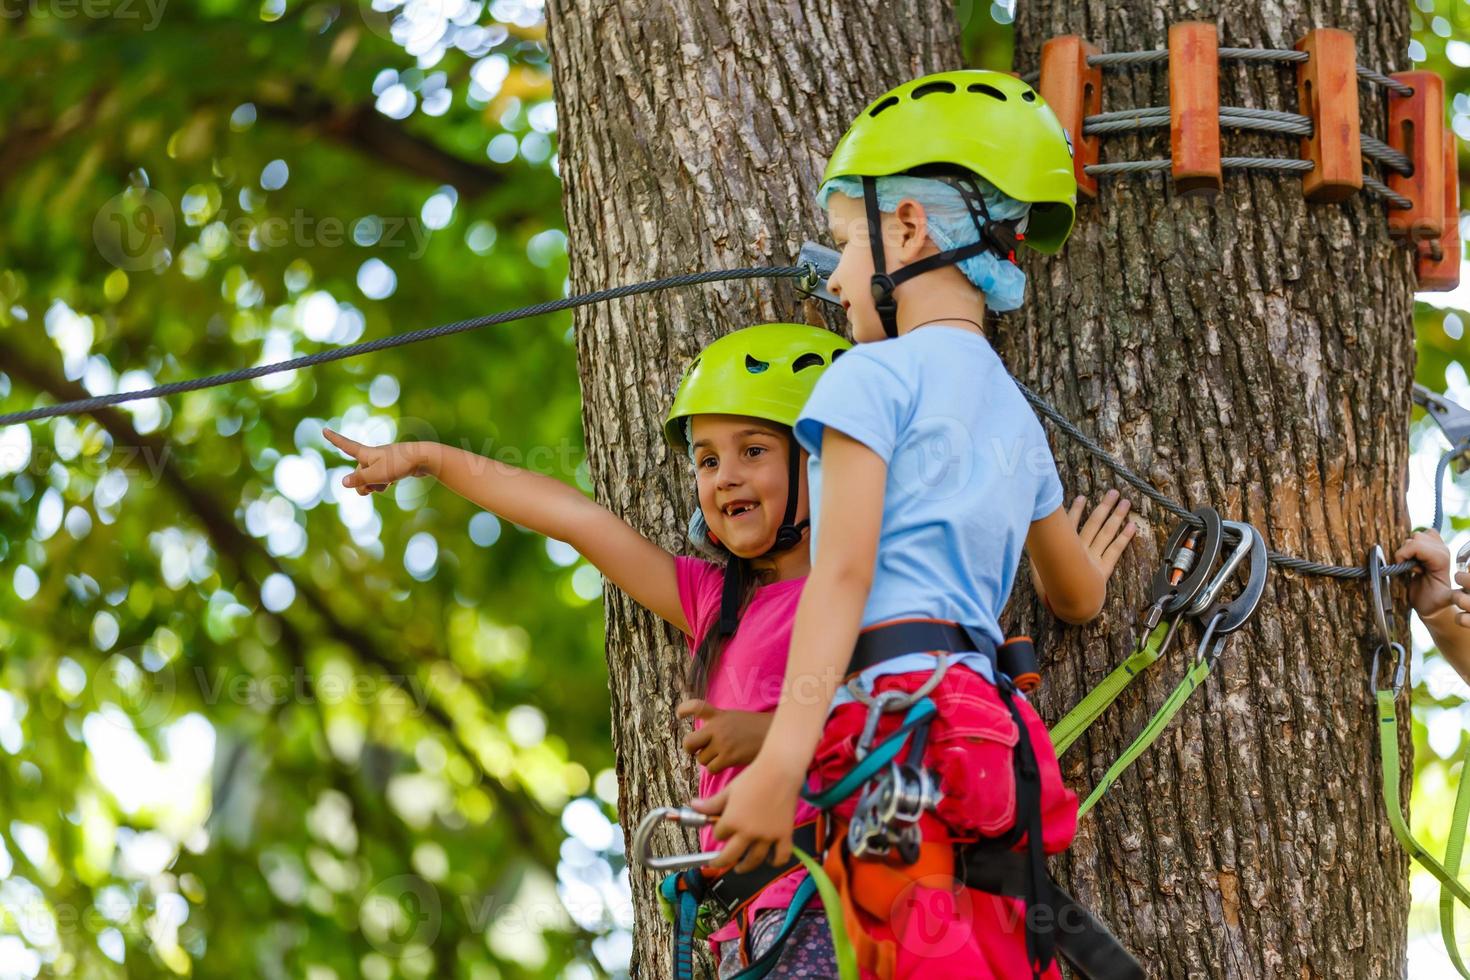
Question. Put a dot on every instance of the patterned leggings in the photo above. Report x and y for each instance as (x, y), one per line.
(808, 952)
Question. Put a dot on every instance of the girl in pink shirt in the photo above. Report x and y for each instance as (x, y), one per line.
(732, 416)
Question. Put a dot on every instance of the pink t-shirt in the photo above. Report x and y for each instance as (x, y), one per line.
(747, 677)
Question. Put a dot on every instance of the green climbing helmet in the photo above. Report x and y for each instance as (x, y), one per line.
(765, 372)
(987, 122)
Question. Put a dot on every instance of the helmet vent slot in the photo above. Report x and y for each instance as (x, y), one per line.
(980, 88)
(754, 366)
(892, 100)
(933, 87)
(805, 361)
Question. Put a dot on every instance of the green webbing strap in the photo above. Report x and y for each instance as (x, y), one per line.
(1450, 887)
(1087, 711)
(1453, 851)
(1199, 669)
(847, 968)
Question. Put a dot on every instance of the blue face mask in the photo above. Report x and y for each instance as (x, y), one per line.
(950, 226)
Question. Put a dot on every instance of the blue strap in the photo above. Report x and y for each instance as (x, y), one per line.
(872, 763)
(686, 915)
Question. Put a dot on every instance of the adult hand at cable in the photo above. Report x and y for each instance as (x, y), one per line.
(1445, 611)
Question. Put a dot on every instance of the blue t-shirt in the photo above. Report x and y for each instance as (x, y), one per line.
(969, 469)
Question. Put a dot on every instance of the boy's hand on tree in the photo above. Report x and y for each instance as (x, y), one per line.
(727, 737)
(756, 811)
(1105, 534)
(378, 467)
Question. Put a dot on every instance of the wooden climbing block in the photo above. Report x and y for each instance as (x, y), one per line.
(1443, 274)
(1416, 128)
(1327, 91)
(1194, 106)
(1073, 89)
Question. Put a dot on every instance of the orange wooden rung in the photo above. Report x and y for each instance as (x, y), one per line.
(1416, 128)
(1073, 89)
(1327, 91)
(1443, 274)
(1194, 106)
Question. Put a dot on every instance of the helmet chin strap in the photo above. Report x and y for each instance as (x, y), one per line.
(999, 237)
(788, 536)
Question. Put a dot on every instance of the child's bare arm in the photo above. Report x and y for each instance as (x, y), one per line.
(547, 506)
(1105, 534)
(1071, 566)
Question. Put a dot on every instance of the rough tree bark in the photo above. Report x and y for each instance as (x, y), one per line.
(1252, 352)
(693, 133)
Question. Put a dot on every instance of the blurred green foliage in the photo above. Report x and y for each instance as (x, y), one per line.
(249, 724)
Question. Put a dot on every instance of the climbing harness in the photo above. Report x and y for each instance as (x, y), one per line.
(1386, 699)
(896, 835)
(1418, 170)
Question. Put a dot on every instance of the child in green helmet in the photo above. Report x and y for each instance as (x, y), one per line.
(732, 416)
(930, 475)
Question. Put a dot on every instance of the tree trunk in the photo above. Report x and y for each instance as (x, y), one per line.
(1251, 352)
(693, 133)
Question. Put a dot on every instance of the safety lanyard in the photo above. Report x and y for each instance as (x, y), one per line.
(1100, 698)
(1189, 559)
(1451, 890)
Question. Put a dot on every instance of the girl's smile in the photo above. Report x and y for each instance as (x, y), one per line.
(742, 470)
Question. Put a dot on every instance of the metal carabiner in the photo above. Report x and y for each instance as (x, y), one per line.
(1211, 591)
(820, 262)
(892, 700)
(1379, 596)
(1400, 672)
(1223, 618)
(684, 817)
(1188, 558)
(878, 705)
